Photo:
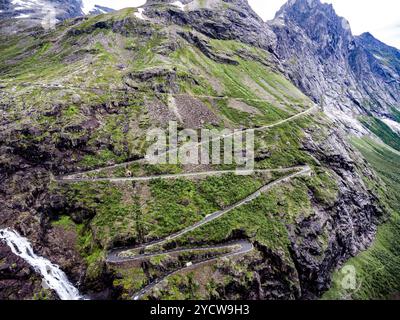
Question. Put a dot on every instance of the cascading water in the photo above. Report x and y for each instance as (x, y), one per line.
(54, 277)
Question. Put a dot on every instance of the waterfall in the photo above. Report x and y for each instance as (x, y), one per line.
(53, 276)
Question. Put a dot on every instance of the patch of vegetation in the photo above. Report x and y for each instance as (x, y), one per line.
(43, 294)
(71, 111)
(114, 217)
(64, 222)
(103, 157)
(283, 145)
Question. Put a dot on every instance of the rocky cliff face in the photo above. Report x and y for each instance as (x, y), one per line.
(218, 19)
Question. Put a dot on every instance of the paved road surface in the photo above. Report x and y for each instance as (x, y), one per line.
(239, 248)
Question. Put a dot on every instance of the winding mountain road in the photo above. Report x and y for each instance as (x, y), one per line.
(240, 247)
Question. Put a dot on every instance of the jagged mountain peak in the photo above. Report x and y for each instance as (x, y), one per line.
(315, 17)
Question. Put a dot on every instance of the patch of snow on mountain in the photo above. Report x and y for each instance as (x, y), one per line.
(139, 14)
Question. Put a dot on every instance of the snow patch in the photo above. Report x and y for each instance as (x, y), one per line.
(26, 4)
(179, 4)
(88, 6)
(101, 10)
(41, 10)
(346, 24)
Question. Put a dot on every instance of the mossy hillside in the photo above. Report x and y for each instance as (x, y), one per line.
(111, 128)
(122, 134)
(278, 147)
(87, 52)
(283, 145)
(119, 142)
(87, 248)
(102, 201)
(377, 268)
(26, 55)
(232, 76)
